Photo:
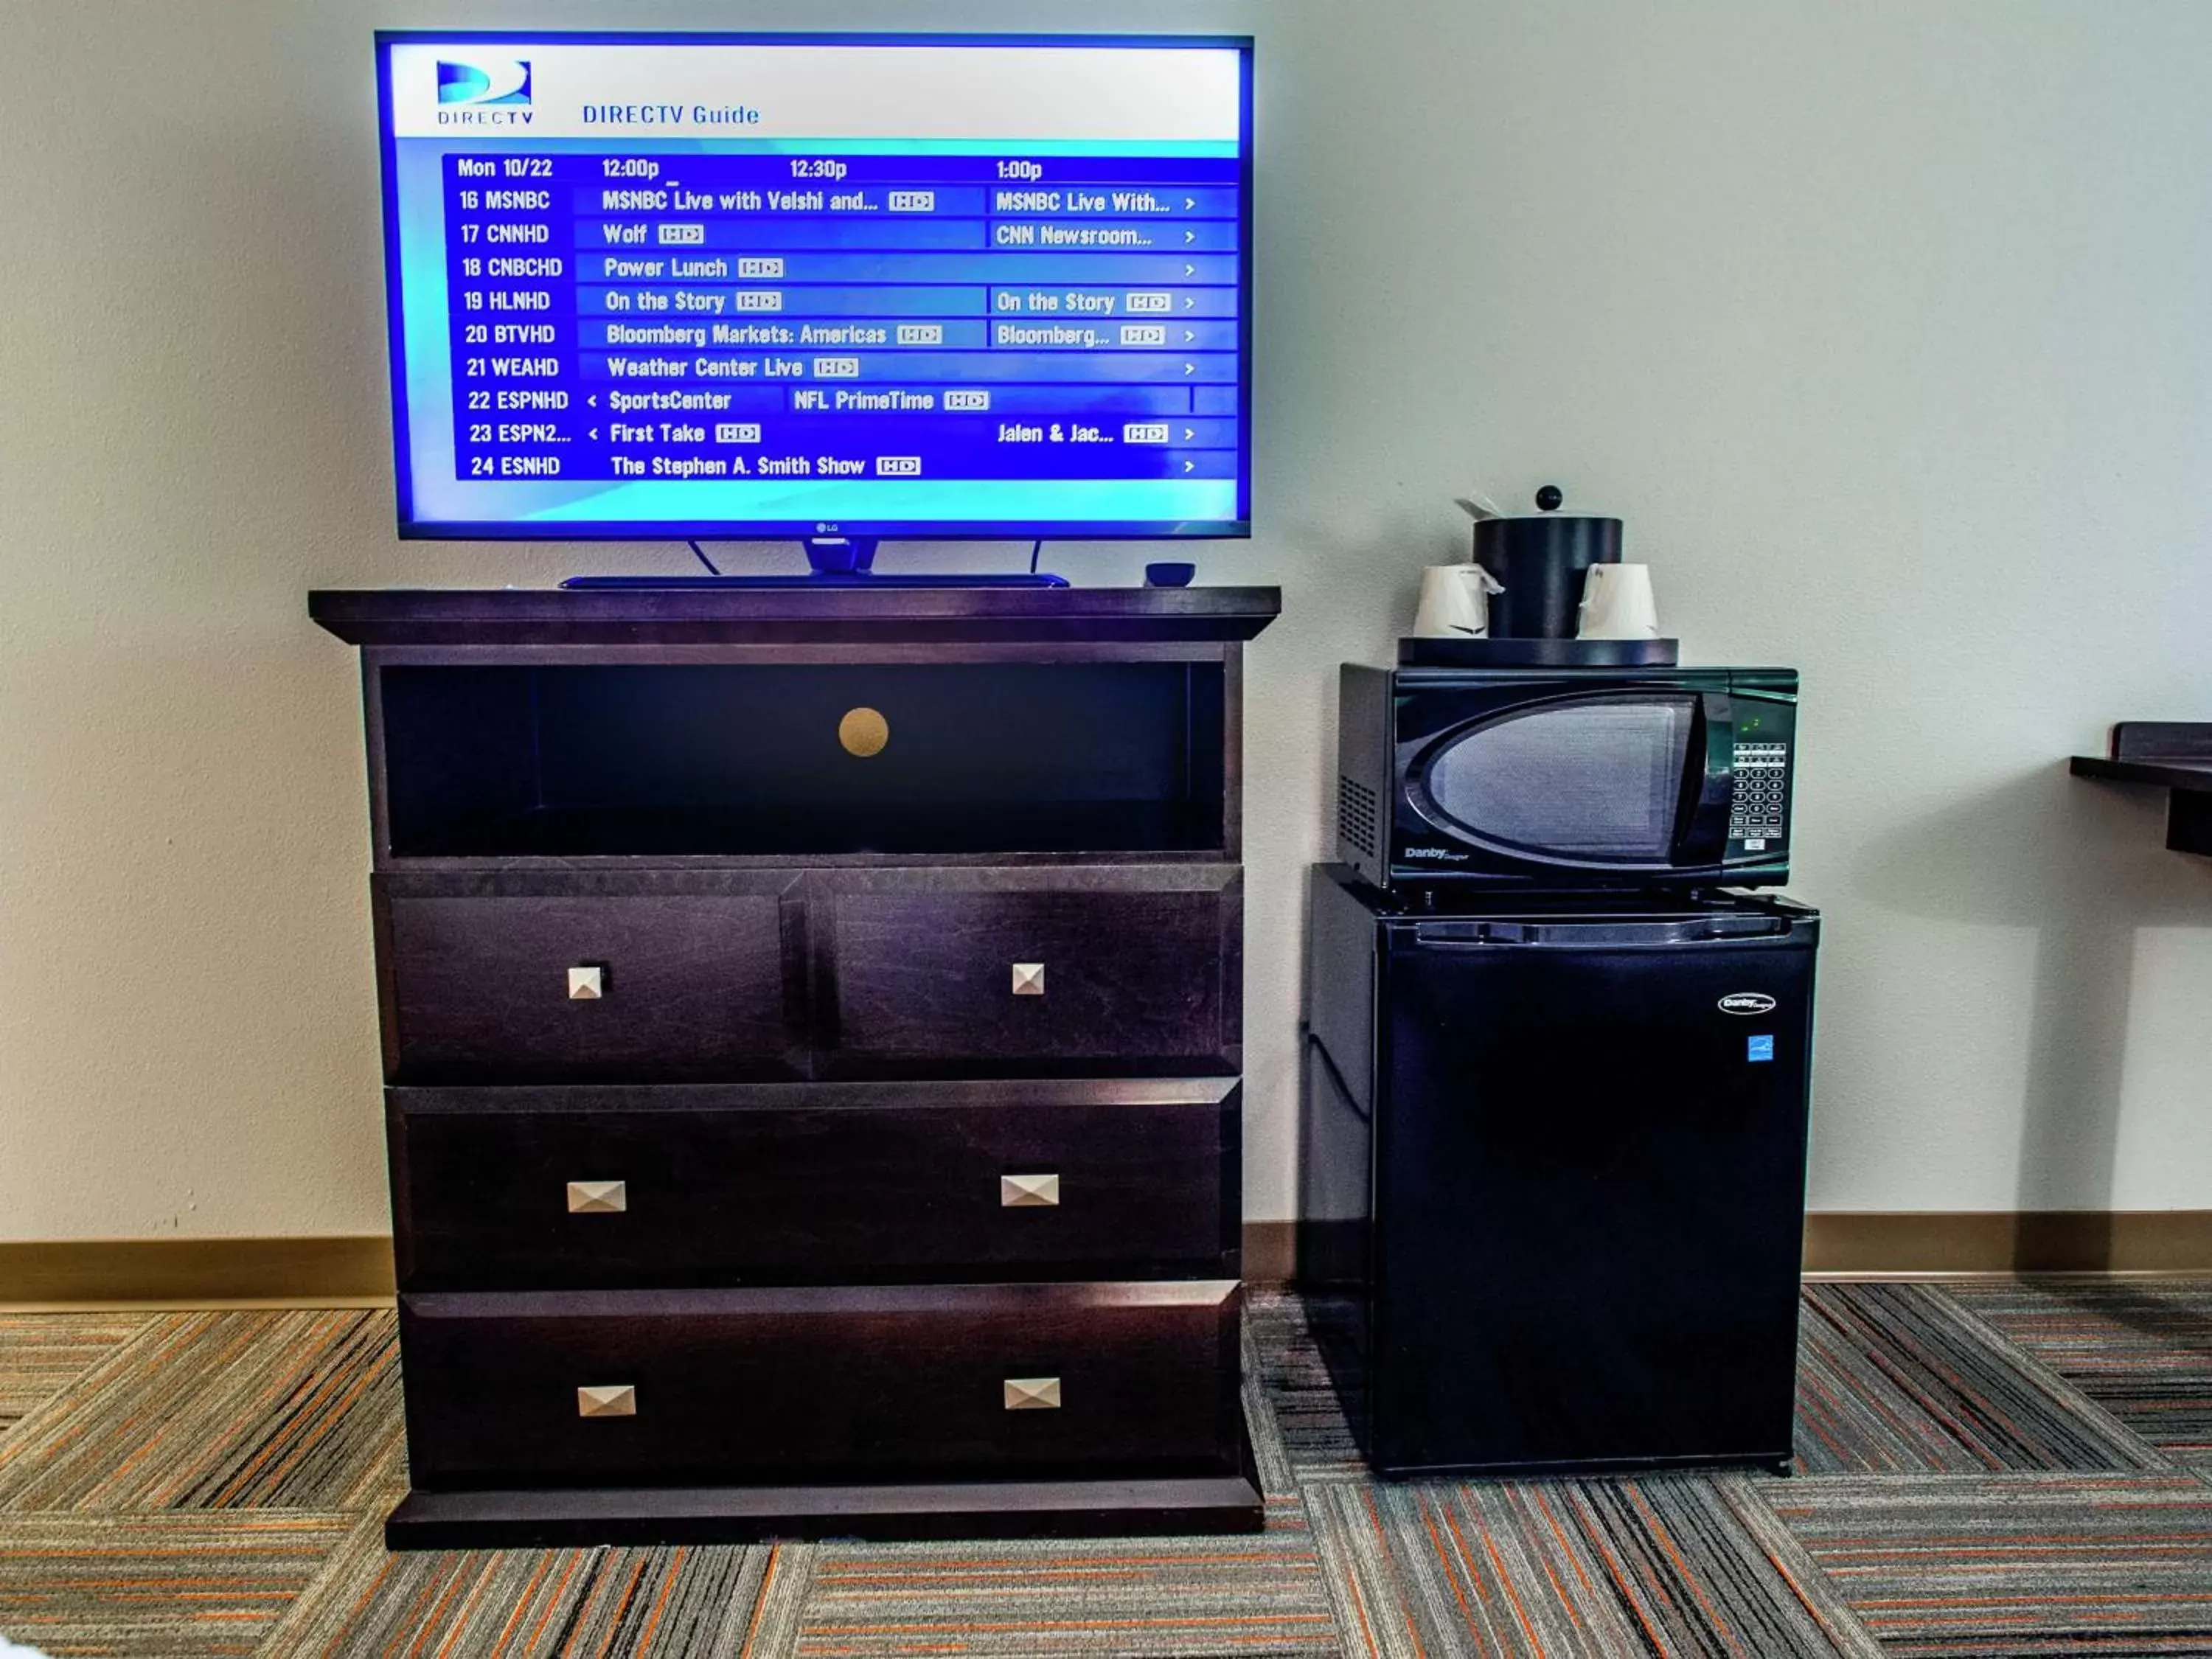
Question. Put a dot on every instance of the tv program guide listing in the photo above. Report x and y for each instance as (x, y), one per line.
(616, 315)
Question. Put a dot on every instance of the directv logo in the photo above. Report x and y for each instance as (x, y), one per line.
(492, 93)
(500, 81)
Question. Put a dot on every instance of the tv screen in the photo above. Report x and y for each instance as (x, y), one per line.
(775, 286)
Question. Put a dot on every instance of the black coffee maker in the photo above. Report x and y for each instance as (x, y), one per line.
(1539, 559)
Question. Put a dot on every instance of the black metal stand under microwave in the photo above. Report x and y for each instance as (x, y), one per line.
(1553, 1170)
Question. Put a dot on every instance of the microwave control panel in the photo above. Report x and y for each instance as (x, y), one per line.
(1759, 815)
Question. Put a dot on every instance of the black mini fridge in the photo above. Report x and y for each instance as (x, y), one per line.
(1553, 1172)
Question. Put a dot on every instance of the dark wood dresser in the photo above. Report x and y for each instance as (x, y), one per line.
(811, 1022)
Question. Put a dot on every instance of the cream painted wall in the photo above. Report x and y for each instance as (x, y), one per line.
(1886, 326)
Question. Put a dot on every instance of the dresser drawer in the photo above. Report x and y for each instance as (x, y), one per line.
(701, 1386)
(799, 1183)
(574, 987)
(1118, 972)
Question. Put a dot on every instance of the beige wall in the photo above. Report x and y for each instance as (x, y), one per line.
(1885, 325)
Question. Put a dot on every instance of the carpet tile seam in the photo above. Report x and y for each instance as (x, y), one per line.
(272, 1408)
(1979, 1407)
(779, 1609)
(1976, 1399)
(1898, 1377)
(1818, 1308)
(330, 1424)
(1892, 1543)
(2060, 1385)
(2140, 1352)
(15, 1436)
(1339, 1586)
(1801, 1574)
(121, 1608)
(54, 1383)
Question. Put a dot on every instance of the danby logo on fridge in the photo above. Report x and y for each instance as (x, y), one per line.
(483, 80)
(1747, 1002)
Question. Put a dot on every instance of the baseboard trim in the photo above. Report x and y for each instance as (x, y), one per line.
(199, 1271)
(2010, 1241)
(1271, 1251)
(1934, 1242)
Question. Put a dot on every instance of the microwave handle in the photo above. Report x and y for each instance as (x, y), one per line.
(1709, 784)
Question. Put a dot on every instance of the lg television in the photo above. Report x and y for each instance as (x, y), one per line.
(831, 288)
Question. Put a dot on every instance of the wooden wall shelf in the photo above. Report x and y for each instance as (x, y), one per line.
(2172, 755)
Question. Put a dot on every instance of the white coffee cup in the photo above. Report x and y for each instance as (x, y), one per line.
(1617, 604)
(1456, 602)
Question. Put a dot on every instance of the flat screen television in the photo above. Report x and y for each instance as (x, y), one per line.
(776, 286)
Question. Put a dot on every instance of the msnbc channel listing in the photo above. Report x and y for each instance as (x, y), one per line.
(978, 317)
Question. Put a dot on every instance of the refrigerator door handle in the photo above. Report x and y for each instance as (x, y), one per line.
(1708, 785)
(1670, 934)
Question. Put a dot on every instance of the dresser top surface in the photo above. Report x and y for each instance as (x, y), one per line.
(734, 615)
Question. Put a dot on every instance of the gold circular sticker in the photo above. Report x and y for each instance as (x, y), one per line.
(864, 733)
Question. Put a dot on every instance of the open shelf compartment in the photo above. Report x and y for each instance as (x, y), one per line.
(747, 759)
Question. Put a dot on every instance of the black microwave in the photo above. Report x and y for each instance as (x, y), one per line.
(1567, 777)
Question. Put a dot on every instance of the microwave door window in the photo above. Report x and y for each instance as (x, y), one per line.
(1588, 781)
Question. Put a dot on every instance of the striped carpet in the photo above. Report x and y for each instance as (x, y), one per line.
(1582, 1568)
(1896, 1379)
(1984, 1469)
(1303, 1404)
(137, 1584)
(1240, 1595)
(2013, 1565)
(2137, 1350)
(41, 1352)
(477, 1604)
(220, 1411)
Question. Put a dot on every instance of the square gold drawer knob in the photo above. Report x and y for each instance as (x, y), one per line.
(1032, 1394)
(1028, 979)
(586, 984)
(607, 1400)
(1028, 1192)
(598, 1197)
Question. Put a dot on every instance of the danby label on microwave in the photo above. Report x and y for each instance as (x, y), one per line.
(1747, 1002)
